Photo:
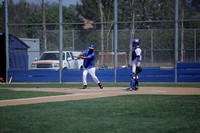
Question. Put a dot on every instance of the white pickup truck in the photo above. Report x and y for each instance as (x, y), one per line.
(50, 60)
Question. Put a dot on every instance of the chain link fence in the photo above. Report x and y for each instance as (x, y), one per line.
(157, 45)
(157, 38)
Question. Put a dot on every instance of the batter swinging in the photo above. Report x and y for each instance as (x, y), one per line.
(89, 67)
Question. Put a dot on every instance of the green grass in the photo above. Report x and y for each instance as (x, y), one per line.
(10, 94)
(92, 84)
(129, 113)
(120, 114)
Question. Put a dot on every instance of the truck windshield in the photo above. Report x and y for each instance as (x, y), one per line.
(51, 56)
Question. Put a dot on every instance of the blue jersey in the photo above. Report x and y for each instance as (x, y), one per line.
(89, 63)
(136, 54)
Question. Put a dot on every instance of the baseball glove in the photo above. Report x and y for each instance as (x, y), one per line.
(138, 69)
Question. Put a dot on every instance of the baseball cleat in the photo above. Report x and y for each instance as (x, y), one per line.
(100, 85)
(136, 89)
(131, 89)
(85, 86)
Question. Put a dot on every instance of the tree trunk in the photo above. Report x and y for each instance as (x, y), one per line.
(182, 38)
(132, 36)
(102, 30)
(44, 27)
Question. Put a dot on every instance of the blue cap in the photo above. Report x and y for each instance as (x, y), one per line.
(91, 46)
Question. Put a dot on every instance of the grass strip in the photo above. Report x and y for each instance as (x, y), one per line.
(128, 113)
(6, 94)
(92, 84)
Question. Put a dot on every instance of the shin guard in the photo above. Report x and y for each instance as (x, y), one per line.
(136, 82)
(132, 83)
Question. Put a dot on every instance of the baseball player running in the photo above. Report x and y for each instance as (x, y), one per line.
(136, 58)
(89, 66)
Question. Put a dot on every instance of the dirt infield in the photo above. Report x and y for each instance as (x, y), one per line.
(94, 92)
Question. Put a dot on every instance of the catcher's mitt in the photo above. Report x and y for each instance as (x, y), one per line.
(138, 69)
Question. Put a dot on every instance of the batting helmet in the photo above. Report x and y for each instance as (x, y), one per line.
(91, 46)
(135, 42)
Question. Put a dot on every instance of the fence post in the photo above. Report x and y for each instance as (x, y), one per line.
(73, 40)
(152, 48)
(7, 39)
(116, 38)
(195, 45)
(60, 40)
(176, 38)
(112, 41)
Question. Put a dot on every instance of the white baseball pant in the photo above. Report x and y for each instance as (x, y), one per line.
(91, 71)
(134, 65)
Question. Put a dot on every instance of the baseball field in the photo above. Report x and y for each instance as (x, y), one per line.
(65, 107)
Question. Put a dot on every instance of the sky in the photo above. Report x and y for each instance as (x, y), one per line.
(64, 2)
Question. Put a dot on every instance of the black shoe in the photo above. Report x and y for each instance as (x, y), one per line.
(100, 85)
(136, 89)
(85, 86)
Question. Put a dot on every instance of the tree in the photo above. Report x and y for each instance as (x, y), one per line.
(128, 8)
(69, 16)
(89, 9)
(98, 11)
(188, 9)
(44, 26)
(17, 13)
(102, 28)
(182, 30)
(2, 17)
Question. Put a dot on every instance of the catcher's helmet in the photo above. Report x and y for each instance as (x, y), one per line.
(135, 42)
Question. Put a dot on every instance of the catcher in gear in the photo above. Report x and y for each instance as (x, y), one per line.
(136, 58)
